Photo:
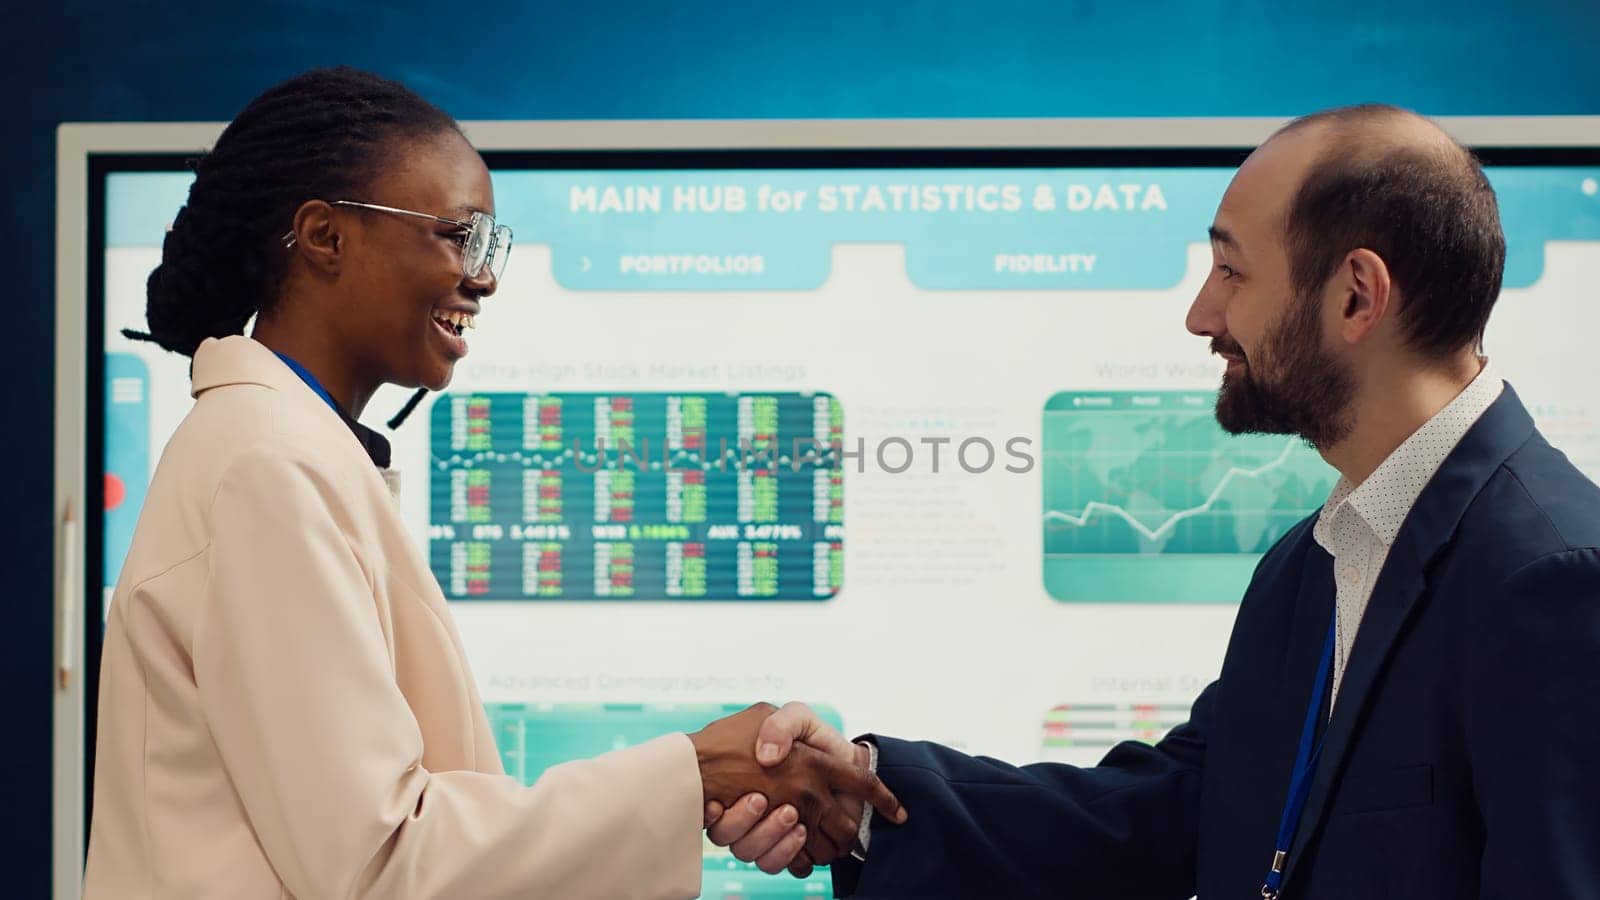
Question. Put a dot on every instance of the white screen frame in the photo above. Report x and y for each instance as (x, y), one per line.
(77, 143)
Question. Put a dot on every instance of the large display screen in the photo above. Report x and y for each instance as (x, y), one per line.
(923, 444)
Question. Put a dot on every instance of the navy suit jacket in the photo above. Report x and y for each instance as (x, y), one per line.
(1462, 759)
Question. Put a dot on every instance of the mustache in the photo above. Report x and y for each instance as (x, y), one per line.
(1226, 345)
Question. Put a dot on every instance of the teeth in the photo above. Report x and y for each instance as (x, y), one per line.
(459, 320)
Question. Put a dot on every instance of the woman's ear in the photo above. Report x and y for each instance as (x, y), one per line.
(316, 238)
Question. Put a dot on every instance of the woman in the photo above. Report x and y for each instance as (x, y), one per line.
(285, 708)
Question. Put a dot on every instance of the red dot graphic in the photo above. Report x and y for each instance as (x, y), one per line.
(116, 492)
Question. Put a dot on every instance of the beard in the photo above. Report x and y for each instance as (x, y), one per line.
(1298, 387)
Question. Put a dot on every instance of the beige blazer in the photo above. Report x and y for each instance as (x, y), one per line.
(286, 710)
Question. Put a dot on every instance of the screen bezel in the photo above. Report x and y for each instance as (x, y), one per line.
(88, 154)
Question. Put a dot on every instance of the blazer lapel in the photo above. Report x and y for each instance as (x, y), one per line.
(1427, 530)
(1392, 603)
(1308, 630)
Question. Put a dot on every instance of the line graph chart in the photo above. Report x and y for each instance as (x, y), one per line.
(1145, 498)
(1165, 529)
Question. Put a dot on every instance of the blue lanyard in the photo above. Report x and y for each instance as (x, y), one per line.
(311, 382)
(1305, 763)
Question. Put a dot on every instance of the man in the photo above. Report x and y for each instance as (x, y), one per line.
(1434, 629)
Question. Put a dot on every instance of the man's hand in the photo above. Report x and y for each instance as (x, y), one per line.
(799, 722)
(816, 783)
(767, 843)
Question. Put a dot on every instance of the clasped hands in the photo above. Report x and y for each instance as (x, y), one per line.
(815, 783)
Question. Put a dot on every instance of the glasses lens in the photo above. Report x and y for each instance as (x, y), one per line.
(499, 251)
(477, 246)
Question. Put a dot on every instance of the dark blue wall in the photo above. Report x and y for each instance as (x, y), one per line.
(76, 61)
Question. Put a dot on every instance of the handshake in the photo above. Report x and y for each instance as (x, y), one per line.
(816, 783)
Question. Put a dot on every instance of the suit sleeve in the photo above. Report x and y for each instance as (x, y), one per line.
(1533, 732)
(978, 827)
(297, 686)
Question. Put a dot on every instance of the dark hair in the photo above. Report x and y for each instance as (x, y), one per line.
(319, 135)
(1424, 206)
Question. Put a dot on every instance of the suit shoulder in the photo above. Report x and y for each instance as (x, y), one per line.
(249, 431)
(1539, 489)
(240, 422)
(1535, 505)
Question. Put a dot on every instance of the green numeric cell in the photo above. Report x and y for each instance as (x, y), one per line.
(765, 498)
(480, 430)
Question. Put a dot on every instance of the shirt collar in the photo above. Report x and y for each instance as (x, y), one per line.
(1383, 501)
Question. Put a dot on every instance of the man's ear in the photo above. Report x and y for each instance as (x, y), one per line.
(1365, 292)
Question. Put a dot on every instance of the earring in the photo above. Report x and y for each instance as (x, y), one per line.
(288, 239)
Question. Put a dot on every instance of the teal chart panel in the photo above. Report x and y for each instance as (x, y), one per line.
(532, 737)
(644, 496)
(128, 448)
(1147, 500)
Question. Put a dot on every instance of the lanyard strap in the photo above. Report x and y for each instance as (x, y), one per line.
(1305, 763)
(311, 382)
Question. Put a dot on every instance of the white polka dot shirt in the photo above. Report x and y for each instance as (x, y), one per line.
(1358, 524)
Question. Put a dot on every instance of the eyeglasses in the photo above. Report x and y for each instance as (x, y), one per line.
(486, 244)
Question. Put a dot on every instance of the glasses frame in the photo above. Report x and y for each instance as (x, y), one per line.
(497, 237)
